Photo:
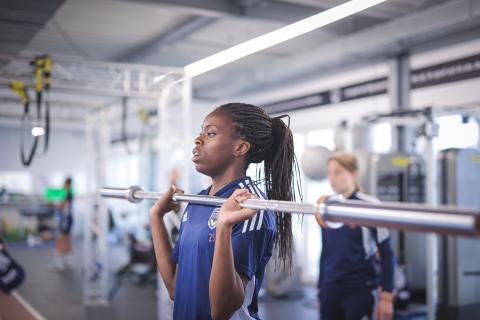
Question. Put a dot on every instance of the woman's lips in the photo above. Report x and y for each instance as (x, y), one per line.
(196, 155)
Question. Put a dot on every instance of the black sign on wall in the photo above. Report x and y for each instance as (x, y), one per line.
(456, 70)
(364, 89)
(313, 100)
(351, 92)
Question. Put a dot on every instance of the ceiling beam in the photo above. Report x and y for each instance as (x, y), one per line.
(278, 11)
(21, 20)
(155, 45)
(385, 11)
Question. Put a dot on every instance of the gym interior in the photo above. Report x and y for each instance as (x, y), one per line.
(101, 99)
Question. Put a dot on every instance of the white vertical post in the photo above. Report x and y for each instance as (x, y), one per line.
(102, 218)
(477, 118)
(174, 145)
(95, 260)
(164, 305)
(187, 127)
(432, 239)
(87, 232)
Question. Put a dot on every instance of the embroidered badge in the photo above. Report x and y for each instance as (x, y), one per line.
(212, 222)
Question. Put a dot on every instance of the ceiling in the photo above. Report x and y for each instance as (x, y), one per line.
(178, 32)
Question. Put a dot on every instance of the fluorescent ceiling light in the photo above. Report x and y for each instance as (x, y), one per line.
(38, 131)
(278, 36)
(159, 78)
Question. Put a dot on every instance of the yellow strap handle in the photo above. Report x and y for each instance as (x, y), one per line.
(47, 64)
(39, 63)
(19, 88)
(48, 70)
(143, 115)
(43, 72)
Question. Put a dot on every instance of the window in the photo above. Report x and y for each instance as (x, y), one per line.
(381, 138)
(16, 182)
(324, 138)
(456, 132)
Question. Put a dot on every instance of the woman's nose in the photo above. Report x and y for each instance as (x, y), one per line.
(198, 140)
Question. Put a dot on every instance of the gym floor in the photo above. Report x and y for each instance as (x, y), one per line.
(58, 295)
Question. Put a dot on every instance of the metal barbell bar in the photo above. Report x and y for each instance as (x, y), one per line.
(395, 215)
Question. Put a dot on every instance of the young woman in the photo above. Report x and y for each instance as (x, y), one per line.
(63, 243)
(350, 280)
(216, 268)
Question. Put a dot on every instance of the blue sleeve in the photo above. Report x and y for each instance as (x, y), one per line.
(251, 248)
(382, 237)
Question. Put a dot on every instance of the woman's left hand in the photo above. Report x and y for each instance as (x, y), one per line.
(231, 212)
(384, 310)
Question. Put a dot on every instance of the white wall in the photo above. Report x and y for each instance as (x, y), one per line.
(67, 153)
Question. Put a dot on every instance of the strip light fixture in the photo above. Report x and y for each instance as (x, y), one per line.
(278, 36)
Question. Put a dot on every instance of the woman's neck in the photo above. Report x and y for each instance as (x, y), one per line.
(347, 193)
(221, 180)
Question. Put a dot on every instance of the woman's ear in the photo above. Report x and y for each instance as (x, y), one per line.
(355, 174)
(241, 148)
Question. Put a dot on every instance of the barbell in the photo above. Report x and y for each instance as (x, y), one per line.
(394, 215)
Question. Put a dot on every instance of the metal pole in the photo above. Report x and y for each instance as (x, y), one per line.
(391, 215)
(399, 95)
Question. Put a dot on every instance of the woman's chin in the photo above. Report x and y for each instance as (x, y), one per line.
(200, 168)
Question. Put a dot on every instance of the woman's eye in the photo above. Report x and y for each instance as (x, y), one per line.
(211, 134)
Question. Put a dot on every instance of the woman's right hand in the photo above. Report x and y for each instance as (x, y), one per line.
(165, 203)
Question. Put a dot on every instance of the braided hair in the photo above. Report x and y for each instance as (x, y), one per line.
(271, 142)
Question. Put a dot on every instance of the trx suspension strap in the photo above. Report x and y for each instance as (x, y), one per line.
(47, 73)
(42, 71)
(19, 88)
(124, 135)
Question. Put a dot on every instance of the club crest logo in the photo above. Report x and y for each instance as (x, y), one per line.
(212, 222)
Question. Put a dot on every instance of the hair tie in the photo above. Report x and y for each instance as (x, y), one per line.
(283, 116)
